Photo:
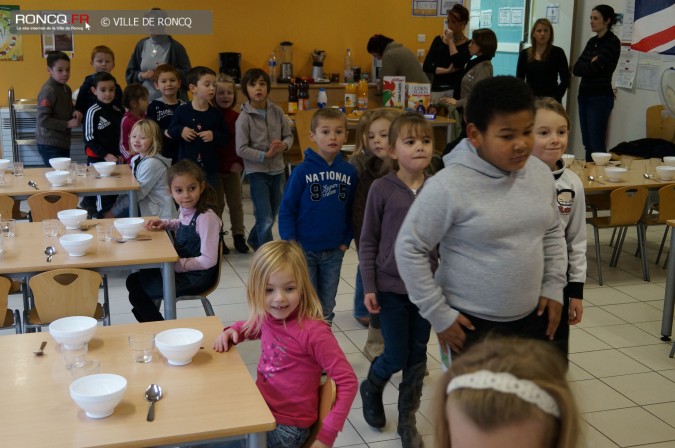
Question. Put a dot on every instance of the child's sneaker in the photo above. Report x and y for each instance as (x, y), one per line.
(240, 244)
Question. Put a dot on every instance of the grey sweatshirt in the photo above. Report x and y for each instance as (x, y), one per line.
(501, 245)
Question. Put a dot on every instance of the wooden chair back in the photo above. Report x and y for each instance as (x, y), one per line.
(46, 205)
(666, 203)
(659, 126)
(65, 292)
(627, 205)
(327, 395)
(6, 206)
(6, 315)
(303, 120)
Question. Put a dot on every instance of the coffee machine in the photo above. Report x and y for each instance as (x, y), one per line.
(230, 64)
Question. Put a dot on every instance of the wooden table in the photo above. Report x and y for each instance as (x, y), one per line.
(635, 177)
(123, 182)
(211, 398)
(669, 298)
(24, 256)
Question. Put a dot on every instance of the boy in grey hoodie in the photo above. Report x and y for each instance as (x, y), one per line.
(492, 212)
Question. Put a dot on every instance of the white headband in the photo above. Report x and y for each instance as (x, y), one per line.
(526, 390)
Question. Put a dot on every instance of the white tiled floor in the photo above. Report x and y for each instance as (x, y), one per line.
(619, 369)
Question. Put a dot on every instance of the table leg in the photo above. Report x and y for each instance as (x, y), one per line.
(256, 440)
(169, 283)
(669, 299)
(133, 204)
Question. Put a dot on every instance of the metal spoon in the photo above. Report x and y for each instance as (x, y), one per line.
(648, 176)
(142, 238)
(32, 184)
(40, 351)
(153, 394)
(50, 251)
(592, 179)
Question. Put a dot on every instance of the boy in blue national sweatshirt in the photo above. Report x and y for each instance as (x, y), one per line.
(199, 128)
(317, 204)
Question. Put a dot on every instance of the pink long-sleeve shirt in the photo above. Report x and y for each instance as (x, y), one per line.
(289, 373)
(208, 228)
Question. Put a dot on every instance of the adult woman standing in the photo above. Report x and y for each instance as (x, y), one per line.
(397, 60)
(483, 46)
(159, 48)
(595, 66)
(448, 55)
(541, 65)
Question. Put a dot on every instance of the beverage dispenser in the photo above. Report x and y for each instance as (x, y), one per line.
(230, 64)
(286, 55)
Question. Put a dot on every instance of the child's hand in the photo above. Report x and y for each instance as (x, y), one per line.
(166, 134)
(454, 336)
(222, 342)
(554, 310)
(111, 158)
(236, 168)
(77, 114)
(155, 224)
(73, 123)
(188, 134)
(277, 146)
(317, 444)
(108, 214)
(344, 248)
(149, 74)
(370, 300)
(206, 136)
(576, 311)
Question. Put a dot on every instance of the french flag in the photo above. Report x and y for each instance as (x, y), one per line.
(654, 26)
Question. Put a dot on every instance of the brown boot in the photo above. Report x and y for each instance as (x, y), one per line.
(374, 344)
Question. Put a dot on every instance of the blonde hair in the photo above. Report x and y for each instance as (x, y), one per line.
(366, 121)
(549, 44)
(229, 80)
(269, 259)
(150, 129)
(548, 103)
(488, 409)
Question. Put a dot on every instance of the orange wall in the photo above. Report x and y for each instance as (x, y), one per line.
(253, 28)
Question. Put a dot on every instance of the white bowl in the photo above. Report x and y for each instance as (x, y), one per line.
(179, 345)
(4, 164)
(72, 218)
(601, 158)
(60, 163)
(665, 172)
(129, 227)
(105, 168)
(57, 178)
(568, 158)
(615, 173)
(98, 394)
(76, 244)
(669, 160)
(73, 330)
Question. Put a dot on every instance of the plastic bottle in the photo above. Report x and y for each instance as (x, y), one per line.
(420, 108)
(303, 95)
(349, 73)
(350, 97)
(362, 94)
(272, 68)
(292, 97)
(322, 98)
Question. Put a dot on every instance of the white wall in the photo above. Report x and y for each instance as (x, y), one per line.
(627, 121)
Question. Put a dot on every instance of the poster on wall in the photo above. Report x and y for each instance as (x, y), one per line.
(504, 16)
(517, 16)
(58, 42)
(425, 8)
(553, 13)
(486, 18)
(11, 45)
(446, 5)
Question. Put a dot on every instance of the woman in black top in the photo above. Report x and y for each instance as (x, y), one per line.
(595, 66)
(541, 65)
(448, 55)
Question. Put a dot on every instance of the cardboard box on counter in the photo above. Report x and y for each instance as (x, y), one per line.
(393, 91)
(416, 92)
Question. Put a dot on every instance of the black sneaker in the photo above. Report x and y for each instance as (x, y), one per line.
(226, 250)
(240, 244)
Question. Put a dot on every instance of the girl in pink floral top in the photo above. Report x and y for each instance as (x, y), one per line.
(285, 314)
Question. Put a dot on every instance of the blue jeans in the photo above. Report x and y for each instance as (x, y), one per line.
(360, 309)
(266, 198)
(324, 272)
(405, 333)
(284, 436)
(49, 152)
(594, 114)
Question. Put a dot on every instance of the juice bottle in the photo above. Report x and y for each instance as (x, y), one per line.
(362, 94)
(303, 95)
(292, 97)
(350, 97)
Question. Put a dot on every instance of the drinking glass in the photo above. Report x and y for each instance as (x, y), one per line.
(75, 355)
(627, 162)
(50, 227)
(18, 169)
(85, 368)
(8, 227)
(653, 163)
(81, 169)
(142, 346)
(104, 231)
